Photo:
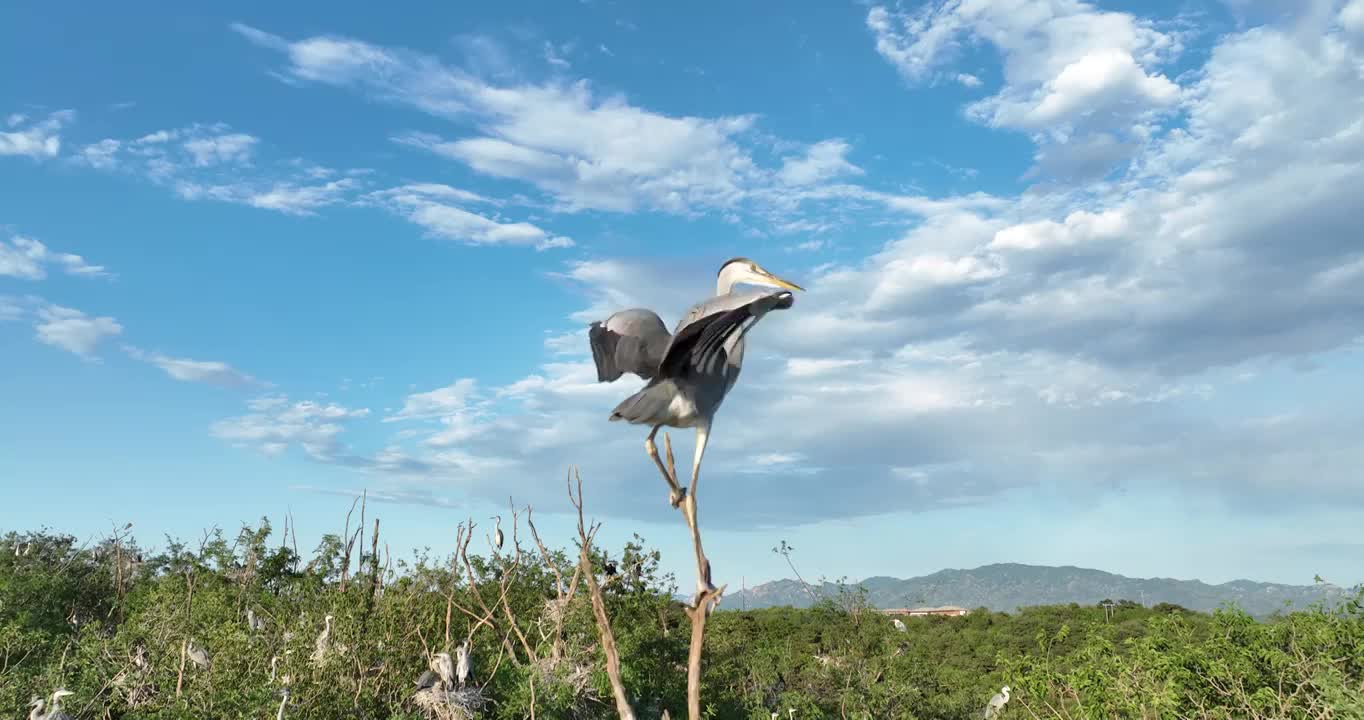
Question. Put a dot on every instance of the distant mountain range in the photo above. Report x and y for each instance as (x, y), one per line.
(1009, 586)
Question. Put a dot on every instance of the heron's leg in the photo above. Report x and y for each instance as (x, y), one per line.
(676, 493)
(703, 583)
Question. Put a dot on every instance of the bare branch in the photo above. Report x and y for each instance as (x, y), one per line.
(608, 638)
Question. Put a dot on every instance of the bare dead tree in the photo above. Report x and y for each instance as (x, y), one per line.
(345, 552)
(608, 638)
(563, 595)
(707, 594)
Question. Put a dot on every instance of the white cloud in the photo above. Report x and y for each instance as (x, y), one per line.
(449, 400)
(555, 56)
(26, 258)
(1352, 16)
(968, 80)
(1083, 339)
(586, 150)
(221, 149)
(101, 155)
(430, 206)
(37, 140)
(11, 309)
(73, 330)
(210, 162)
(295, 199)
(275, 424)
(1072, 72)
(213, 372)
(822, 161)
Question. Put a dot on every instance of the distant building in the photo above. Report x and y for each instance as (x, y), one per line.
(945, 610)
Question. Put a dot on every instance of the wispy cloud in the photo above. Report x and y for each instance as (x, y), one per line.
(213, 372)
(26, 258)
(36, 139)
(73, 330)
(276, 424)
(215, 162)
(437, 209)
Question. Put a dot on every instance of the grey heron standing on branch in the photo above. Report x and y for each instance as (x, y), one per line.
(463, 662)
(689, 371)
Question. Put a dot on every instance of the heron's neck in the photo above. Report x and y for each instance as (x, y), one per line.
(728, 278)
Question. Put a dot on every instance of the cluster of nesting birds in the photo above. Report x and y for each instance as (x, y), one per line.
(54, 712)
(442, 691)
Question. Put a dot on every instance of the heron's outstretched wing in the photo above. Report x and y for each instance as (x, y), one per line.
(630, 341)
(699, 347)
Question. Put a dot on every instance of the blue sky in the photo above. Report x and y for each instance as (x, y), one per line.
(1083, 279)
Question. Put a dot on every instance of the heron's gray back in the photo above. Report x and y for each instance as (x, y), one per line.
(702, 361)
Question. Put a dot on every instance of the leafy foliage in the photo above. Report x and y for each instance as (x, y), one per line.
(114, 627)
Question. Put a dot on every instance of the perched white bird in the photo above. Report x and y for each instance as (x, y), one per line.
(899, 625)
(463, 667)
(997, 703)
(497, 533)
(445, 668)
(323, 643)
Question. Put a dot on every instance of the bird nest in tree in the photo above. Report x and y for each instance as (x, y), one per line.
(553, 611)
(577, 676)
(440, 704)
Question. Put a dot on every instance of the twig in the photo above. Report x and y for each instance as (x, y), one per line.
(608, 638)
(345, 538)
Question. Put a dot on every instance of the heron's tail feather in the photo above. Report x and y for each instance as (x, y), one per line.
(649, 406)
(604, 352)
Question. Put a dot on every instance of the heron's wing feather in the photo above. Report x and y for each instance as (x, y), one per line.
(630, 341)
(699, 348)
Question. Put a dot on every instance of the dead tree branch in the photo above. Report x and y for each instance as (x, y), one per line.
(608, 638)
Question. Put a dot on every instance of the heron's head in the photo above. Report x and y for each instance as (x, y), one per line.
(35, 702)
(742, 270)
(1006, 689)
(61, 694)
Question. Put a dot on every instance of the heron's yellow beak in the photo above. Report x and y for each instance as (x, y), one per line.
(787, 284)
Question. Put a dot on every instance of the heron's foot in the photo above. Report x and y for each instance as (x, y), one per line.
(676, 497)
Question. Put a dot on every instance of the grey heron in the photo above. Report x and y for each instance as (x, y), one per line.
(56, 712)
(899, 624)
(284, 700)
(463, 668)
(997, 703)
(198, 655)
(445, 669)
(323, 643)
(690, 371)
(254, 621)
(427, 679)
(35, 708)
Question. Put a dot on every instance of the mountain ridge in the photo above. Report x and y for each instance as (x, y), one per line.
(1009, 586)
